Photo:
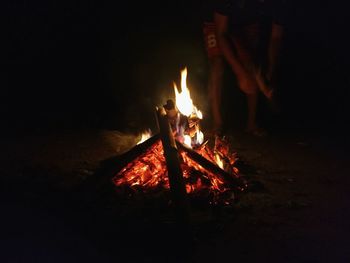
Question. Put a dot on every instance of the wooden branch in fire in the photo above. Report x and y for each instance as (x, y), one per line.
(137, 150)
(191, 124)
(232, 178)
(172, 158)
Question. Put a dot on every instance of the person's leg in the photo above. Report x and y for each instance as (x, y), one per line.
(251, 49)
(274, 48)
(275, 43)
(252, 126)
(252, 101)
(215, 90)
(216, 71)
(247, 50)
(246, 57)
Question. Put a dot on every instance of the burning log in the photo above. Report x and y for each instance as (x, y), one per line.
(176, 180)
(213, 168)
(137, 150)
(165, 162)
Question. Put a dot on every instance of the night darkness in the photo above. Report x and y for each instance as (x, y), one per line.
(80, 67)
(85, 63)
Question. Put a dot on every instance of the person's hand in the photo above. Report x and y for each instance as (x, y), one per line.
(263, 83)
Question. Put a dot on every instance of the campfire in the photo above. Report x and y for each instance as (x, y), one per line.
(180, 156)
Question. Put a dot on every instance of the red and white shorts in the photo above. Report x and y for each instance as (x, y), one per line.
(211, 43)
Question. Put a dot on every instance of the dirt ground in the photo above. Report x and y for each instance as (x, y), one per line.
(57, 205)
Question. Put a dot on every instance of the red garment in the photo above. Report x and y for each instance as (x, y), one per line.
(210, 40)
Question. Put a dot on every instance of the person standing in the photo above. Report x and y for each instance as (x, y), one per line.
(249, 35)
(216, 63)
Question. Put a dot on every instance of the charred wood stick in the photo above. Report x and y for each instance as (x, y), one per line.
(172, 158)
(136, 151)
(205, 163)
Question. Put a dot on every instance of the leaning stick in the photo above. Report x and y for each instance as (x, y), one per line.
(208, 165)
(176, 180)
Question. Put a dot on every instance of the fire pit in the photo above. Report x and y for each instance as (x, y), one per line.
(180, 159)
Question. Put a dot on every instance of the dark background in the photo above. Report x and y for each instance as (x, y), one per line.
(81, 65)
(106, 64)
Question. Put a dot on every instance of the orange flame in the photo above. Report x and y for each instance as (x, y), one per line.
(184, 102)
(219, 161)
(186, 107)
(145, 136)
(148, 172)
(188, 141)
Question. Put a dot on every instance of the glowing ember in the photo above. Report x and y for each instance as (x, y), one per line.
(219, 161)
(148, 173)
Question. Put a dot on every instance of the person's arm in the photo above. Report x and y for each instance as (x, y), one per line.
(246, 82)
(223, 37)
(266, 79)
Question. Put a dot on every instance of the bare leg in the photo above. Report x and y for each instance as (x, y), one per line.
(252, 100)
(215, 89)
(274, 50)
(246, 51)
